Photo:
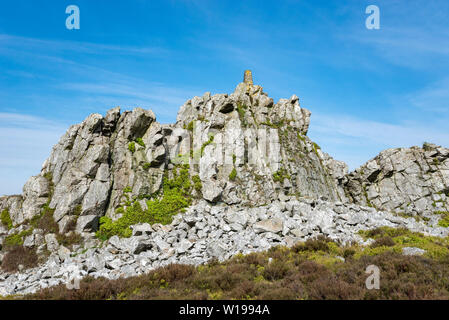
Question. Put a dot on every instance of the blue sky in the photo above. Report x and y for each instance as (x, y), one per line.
(368, 90)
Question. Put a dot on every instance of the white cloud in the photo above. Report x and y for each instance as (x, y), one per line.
(356, 141)
(12, 41)
(434, 97)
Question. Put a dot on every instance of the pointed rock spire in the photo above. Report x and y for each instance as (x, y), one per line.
(248, 77)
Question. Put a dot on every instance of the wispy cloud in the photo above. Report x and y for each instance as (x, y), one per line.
(434, 98)
(18, 42)
(26, 142)
(356, 140)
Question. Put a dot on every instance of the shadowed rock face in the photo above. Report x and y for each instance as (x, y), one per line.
(414, 181)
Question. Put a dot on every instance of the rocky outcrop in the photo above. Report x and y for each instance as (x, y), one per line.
(411, 181)
(264, 143)
(254, 180)
(244, 148)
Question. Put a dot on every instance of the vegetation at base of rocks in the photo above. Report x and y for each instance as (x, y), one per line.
(313, 270)
(403, 214)
(45, 221)
(16, 239)
(18, 255)
(233, 174)
(444, 221)
(383, 242)
(197, 185)
(175, 198)
(281, 175)
(69, 239)
(435, 247)
(5, 218)
(132, 146)
(140, 142)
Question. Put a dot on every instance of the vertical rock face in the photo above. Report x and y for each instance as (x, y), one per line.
(259, 151)
(411, 181)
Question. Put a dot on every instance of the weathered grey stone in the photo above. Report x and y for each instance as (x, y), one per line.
(142, 229)
(403, 180)
(237, 217)
(274, 225)
(87, 223)
(183, 246)
(412, 251)
(63, 253)
(52, 242)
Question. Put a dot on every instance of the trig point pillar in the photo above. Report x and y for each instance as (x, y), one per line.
(248, 77)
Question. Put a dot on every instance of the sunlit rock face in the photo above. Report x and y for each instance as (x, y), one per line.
(411, 181)
(253, 179)
(263, 143)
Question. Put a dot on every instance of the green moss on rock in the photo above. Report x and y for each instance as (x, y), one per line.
(132, 147)
(281, 175)
(6, 219)
(233, 174)
(175, 198)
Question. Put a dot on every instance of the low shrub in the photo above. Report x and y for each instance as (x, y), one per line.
(318, 244)
(383, 242)
(5, 218)
(176, 196)
(290, 274)
(16, 239)
(19, 255)
(140, 142)
(233, 174)
(132, 146)
(45, 220)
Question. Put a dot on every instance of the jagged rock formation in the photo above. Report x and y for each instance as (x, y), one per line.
(253, 180)
(264, 143)
(412, 181)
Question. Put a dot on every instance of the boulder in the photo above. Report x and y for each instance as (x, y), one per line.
(274, 225)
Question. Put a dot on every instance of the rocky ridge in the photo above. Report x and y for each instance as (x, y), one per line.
(253, 179)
